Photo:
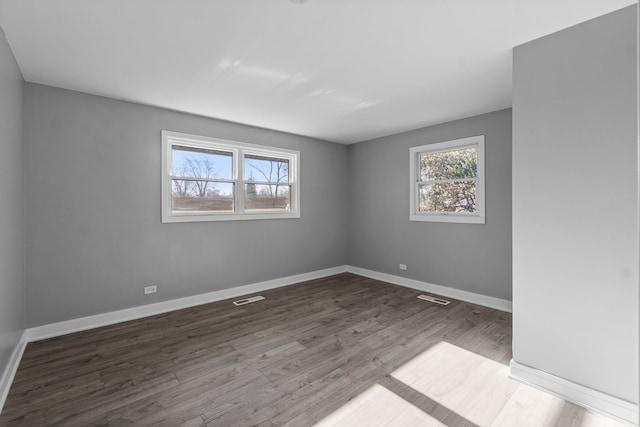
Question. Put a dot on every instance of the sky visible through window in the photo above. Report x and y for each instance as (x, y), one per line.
(193, 162)
(190, 162)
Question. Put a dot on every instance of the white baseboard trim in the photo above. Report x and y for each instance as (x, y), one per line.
(575, 393)
(12, 367)
(104, 319)
(487, 301)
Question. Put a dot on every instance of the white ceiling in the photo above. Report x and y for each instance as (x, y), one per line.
(338, 70)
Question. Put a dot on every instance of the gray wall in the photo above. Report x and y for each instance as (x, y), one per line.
(12, 284)
(471, 257)
(94, 237)
(575, 204)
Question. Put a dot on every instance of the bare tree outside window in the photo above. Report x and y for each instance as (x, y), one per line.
(197, 176)
(181, 188)
(268, 186)
(202, 168)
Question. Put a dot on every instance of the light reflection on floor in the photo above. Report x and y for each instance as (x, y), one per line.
(382, 407)
(449, 386)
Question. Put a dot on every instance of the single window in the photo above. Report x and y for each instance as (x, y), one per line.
(447, 181)
(209, 179)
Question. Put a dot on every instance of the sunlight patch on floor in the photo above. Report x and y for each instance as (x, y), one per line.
(378, 406)
(448, 385)
(470, 385)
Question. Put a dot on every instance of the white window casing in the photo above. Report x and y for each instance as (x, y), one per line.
(477, 216)
(237, 201)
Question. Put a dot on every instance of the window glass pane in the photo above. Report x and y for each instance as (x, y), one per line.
(260, 197)
(265, 169)
(447, 197)
(200, 163)
(453, 164)
(201, 196)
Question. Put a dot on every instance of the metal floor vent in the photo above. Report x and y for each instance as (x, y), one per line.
(434, 299)
(248, 300)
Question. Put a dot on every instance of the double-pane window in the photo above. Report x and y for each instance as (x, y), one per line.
(208, 179)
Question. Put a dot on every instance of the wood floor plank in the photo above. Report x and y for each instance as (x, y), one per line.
(215, 367)
(194, 422)
(302, 420)
(97, 403)
(293, 404)
(182, 402)
(341, 350)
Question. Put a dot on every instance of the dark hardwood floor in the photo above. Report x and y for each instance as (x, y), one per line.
(292, 359)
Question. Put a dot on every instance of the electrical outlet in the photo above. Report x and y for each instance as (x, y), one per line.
(150, 289)
(403, 266)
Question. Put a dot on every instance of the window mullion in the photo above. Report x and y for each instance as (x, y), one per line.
(438, 181)
(192, 178)
(239, 178)
(267, 183)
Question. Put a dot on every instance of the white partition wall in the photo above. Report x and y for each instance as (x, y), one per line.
(575, 213)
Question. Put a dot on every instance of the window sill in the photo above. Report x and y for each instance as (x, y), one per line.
(226, 217)
(462, 219)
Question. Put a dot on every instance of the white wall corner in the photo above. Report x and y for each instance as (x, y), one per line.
(12, 367)
(586, 397)
(484, 300)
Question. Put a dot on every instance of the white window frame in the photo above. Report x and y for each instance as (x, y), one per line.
(238, 150)
(478, 217)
